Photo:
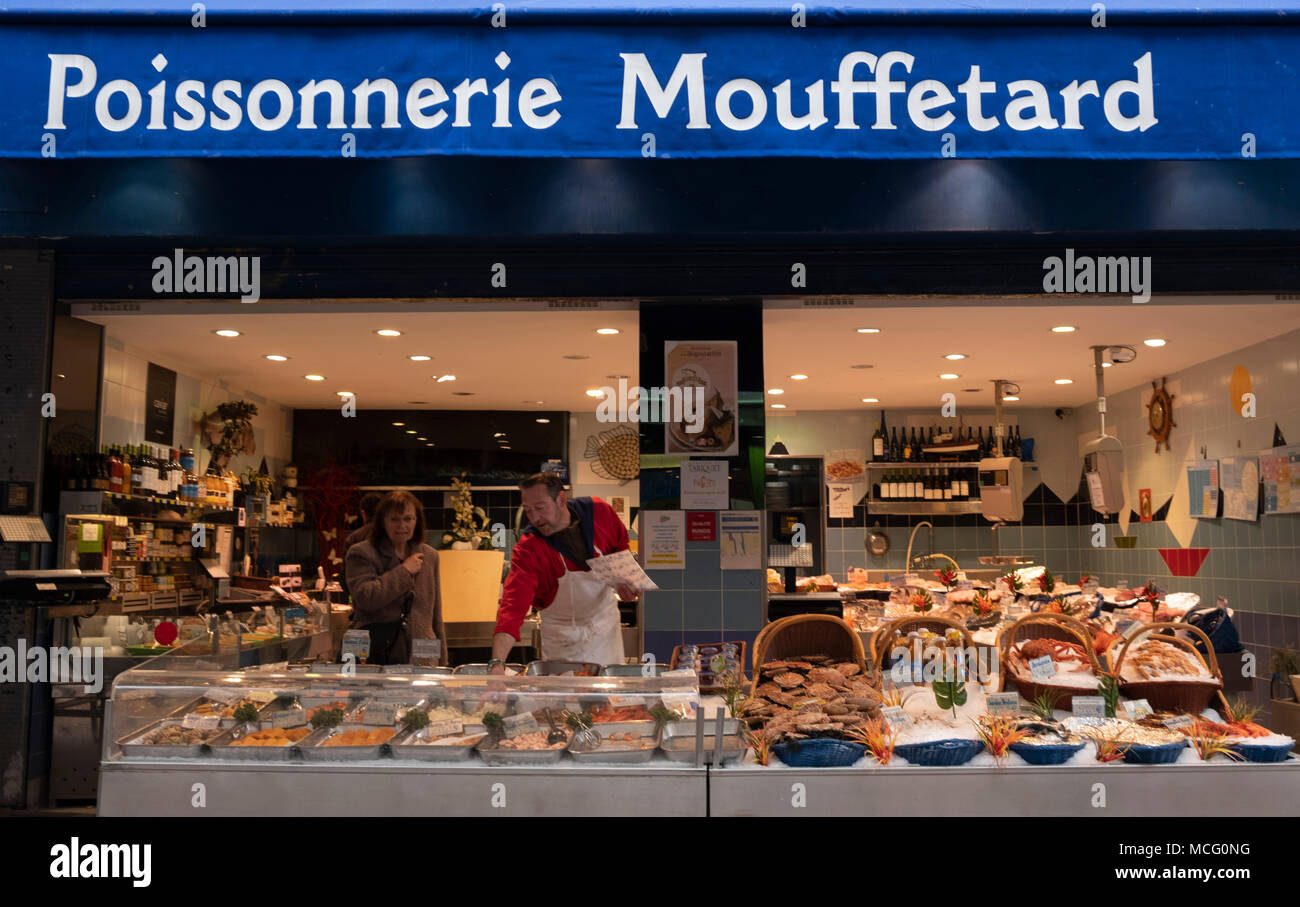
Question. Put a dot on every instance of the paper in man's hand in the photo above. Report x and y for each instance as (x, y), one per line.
(619, 569)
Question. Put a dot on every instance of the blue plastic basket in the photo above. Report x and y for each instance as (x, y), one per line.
(1150, 754)
(822, 752)
(1047, 753)
(940, 752)
(1254, 752)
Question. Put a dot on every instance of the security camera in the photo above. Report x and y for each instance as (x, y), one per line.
(1060, 414)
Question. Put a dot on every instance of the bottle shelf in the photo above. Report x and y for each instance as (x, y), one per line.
(923, 507)
(149, 499)
(924, 464)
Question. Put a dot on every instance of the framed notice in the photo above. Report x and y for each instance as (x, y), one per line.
(705, 485)
(740, 532)
(1240, 478)
(1203, 488)
(663, 539)
(159, 405)
(700, 405)
(1279, 468)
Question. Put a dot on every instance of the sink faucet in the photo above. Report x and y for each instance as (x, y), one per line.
(996, 526)
(908, 564)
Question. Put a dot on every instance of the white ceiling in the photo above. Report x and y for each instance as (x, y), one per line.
(502, 358)
(1013, 342)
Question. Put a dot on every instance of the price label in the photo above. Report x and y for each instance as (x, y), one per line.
(1132, 628)
(423, 650)
(1138, 709)
(261, 697)
(1178, 722)
(964, 585)
(896, 716)
(1088, 707)
(380, 713)
(679, 702)
(399, 669)
(518, 725)
(217, 694)
(356, 643)
(290, 718)
(447, 727)
(202, 722)
(1042, 668)
(622, 702)
(1003, 703)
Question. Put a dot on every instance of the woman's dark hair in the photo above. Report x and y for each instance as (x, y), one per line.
(554, 484)
(396, 501)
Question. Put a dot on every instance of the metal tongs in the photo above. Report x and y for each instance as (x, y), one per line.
(585, 739)
(556, 735)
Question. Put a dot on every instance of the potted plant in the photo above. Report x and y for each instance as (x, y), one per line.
(229, 431)
(1286, 674)
(469, 531)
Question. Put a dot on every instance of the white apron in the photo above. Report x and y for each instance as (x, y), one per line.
(582, 623)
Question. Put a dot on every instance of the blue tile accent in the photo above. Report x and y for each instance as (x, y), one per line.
(662, 643)
(667, 579)
(664, 611)
(742, 611)
(703, 570)
(703, 611)
(742, 579)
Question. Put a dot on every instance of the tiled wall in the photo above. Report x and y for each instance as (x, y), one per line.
(123, 405)
(696, 604)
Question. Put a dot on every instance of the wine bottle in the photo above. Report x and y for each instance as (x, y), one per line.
(964, 486)
(895, 452)
(878, 440)
(948, 485)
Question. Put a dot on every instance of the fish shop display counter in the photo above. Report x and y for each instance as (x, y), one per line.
(1104, 790)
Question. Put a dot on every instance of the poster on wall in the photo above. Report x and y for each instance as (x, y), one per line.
(1280, 469)
(159, 405)
(840, 497)
(663, 539)
(1240, 480)
(1203, 488)
(740, 532)
(1144, 505)
(704, 485)
(699, 407)
(618, 503)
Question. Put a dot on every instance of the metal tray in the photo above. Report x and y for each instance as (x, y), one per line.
(653, 670)
(355, 703)
(132, 750)
(402, 748)
(645, 729)
(560, 668)
(483, 668)
(620, 753)
(220, 748)
(407, 702)
(189, 707)
(493, 755)
(678, 741)
(313, 749)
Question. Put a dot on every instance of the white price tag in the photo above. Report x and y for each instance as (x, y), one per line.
(357, 643)
(518, 725)
(262, 697)
(290, 718)
(380, 713)
(202, 722)
(447, 727)
(1003, 703)
(622, 702)
(1138, 709)
(896, 716)
(1088, 707)
(1178, 722)
(217, 694)
(1042, 668)
(425, 650)
(399, 669)
(679, 702)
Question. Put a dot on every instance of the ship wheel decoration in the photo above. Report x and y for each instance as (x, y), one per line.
(1160, 414)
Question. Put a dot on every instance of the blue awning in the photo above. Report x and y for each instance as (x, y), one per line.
(598, 78)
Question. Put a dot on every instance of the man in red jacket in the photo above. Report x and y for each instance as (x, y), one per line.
(548, 569)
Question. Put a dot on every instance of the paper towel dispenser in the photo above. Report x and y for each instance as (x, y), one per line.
(1002, 489)
(1103, 466)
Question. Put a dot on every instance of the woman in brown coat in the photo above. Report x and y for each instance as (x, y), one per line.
(392, 569)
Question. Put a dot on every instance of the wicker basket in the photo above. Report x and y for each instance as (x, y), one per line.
(1189, 696)
(822, 752)
(940, 752)
(806, 634)
(886, 633)
(1046, 626)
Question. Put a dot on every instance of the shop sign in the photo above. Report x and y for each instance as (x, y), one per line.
(667, 86)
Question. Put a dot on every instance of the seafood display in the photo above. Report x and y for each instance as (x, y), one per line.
(1073, 669)
(606, 714)
(812, 696)
(341, 705)
(1125, 732)
(208, 708)
(534, 741)
(176, 735)
(1154, 659)
(272, 737)
(360, 737)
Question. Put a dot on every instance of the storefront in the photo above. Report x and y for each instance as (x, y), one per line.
(468, 222)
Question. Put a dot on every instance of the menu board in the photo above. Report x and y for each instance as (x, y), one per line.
(1280, 469)
(1203, 488)
(702, 400)
(1240, 478)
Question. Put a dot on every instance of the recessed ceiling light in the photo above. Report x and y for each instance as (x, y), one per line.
(607, 330)
(462, 393)
(575, 356)
(419, 358)
(778, 406)
(226, 333)
(499, 434)
(314, 377)
(595, 392)
(442, 378)
(410, 431)
(870, 400)
(862, 365)
(1010, 399)
(868, 330)
(1107, 364)
(776, 391)
(798, 377)
(418, 438)
(1063, 329)
(399, 424)
(544, 421)
(430, 444)
(949, 376)
(1154, 341)
(62, 375)
(388, 332)
(955, 356)
(344, 394)
(1064, 380)
(534, 402)
(275, 357)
